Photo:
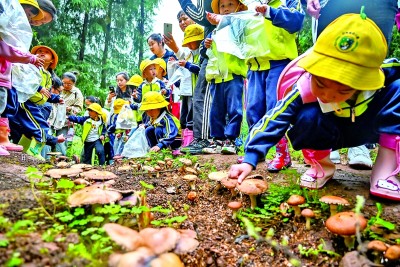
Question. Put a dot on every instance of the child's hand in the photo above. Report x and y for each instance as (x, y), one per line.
(240, 171)
(313, 8)
(208, 42)
(155, 149)
(171, 59)
(182, 63)
(214, 19)
(45, 92)
(163, 91)
(60, 138)
(118, 135)
(262, 9)
(61, 101)
(38, 62)
(101, 137)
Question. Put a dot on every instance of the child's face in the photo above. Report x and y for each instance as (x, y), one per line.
(228, 6)
(184, 21)
(87, 103)
(46, 19)
(329, 91)
(155, 48)
(193, 45)
(46, 55)
(93, 115)
(159, 72)
(149, 73)
(121, 81)
(153, 113)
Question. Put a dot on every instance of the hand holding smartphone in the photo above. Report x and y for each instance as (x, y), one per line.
(112, 89)
(167, 29)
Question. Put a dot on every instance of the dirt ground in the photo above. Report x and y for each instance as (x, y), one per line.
(223, 242)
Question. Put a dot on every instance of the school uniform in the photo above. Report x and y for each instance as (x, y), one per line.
(162, 131)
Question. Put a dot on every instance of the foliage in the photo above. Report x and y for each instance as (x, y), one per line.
(316, 251)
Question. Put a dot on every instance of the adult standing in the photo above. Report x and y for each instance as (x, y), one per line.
(49, 13)
(73, 100)
(201, 94)
(157, 47)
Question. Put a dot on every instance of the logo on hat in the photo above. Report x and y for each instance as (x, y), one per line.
(347, 42)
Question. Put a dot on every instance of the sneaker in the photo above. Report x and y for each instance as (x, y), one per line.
(196, 147)
(186, 149)
(215, 147)
(229, 148)
(335, 156)
(359, 158)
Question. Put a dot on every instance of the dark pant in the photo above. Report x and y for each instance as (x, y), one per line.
(154, 135)
(186, 118)
(88, 151)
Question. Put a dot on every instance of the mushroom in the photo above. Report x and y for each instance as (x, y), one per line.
(377, 249)
(167, 259)
(85, 167)
(192, 195)
(283, 207)
(294, 201)
(308, 214)
(393, 253)
(217, 177)
(62, 164)
(126, 237)
(131, 200)
(186, 162)
(58, 173)
(138, 258)
(53, 156)
(345, 225)
(187, 242)
(81, 181)
(124, 168)
(190, 170)
(192, 180)
(234, 206)
(333, 202)
(253, 187)
(161, 163)
(148, 168)
(99, 175)
(94, 194)
(160, 240)
(230, 184)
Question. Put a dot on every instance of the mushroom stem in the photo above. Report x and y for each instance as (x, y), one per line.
(233, 192)
(349, 241)
(333, 209)
(297, 211)
(192, 185)
(234, 215)
(308, 223)
(253, 201)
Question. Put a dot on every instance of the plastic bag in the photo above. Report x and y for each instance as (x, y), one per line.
(216, 65)
(126, 118)
(26, 79)
(137, 145)
(60, 117)
(242, 34)
(15, 29)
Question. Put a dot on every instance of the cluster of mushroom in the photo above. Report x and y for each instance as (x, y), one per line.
(150, 246)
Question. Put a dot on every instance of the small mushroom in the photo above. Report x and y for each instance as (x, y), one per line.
(253, 187)
(333, 202)
(167, 259)
(186, 162)
(81, 181)
(217, 177)
(58, 173)
(138, 257)
(85, 167)
(283, 207)
(294, 201)
(94, 194)
(308, 214)
(190, 170)
(99, 175)
(234, 206)
(345, 225)
(53, 156)
(192, 180)
(192, 195)
(160, 240)
(187, 242)
(377, 249)
(124, 168)
(62, 165)
(230, 184)
(161, 163)
(148, 168)
(126, 237)
(131, 200)
(393, 253)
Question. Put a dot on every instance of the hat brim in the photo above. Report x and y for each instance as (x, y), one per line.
(55, 56)
(353, 75)
(215, 6)
(145, 107)
(134, 84)
(147, 65)
(192, 39)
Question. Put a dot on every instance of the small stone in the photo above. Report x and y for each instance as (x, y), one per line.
(171, 190)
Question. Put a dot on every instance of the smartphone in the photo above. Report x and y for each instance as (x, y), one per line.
(112, 89)
(167, 29)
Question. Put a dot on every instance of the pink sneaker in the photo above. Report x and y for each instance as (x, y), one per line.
(3, 151)
(13, 147)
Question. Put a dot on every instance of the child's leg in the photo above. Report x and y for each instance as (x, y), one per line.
(151, 136)
(217, 111)
(321, 171)
(87, 152)
(233, 95)
(100, 152)
(256, 105)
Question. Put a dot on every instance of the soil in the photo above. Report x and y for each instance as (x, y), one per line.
(223, 240)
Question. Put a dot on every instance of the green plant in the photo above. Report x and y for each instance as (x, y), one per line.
(313, 252)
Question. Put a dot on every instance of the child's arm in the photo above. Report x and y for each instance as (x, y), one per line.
(170, 131)
(13, 55)
(197, 14)
(289, 17)
(77, 119)
(166, 92)
(193, 68)
(54, 98)
(112, 124)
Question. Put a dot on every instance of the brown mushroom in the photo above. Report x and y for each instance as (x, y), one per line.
(81, 181)
(167, 260)
(308, 214)
(62, 165)
(124, 168)
(126, 237)
(85, 167)
(160, 240)
(230, 184)
(58, 173)
(192, 195)
(94, 194)
(377, 249)
(187, 242)
(192, 180)
(253, 187)
(190, 170)
(217, 177)
(234, 206)
(345, 224)
(148, 169)
(393, 253)
(186, 162)
(333, 202)
(99, 175)
(283, 207)
(138, 258)
(294, 201)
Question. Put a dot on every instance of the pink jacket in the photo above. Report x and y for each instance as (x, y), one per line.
(9, 55)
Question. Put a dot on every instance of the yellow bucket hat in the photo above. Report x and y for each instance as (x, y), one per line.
(118, 104)
(35, 4)
(153, 100)
(135, 80)
(193, 32)
(55, 56)
(145, 63)
(97, 108)
(215, 6)
(350, 51)
(160, 62)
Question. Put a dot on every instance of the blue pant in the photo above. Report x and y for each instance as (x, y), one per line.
(313, 129)
(154, 134)
(261, 92)
(88, 151)
(226, 109)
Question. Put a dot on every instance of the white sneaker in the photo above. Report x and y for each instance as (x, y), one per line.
(335, 156)
(359, 158)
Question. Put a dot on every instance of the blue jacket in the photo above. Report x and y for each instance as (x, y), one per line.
(167, 127)
(198, 14)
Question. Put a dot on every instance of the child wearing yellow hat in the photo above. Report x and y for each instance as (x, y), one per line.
(93, 132)
(343, 99)
(162, 127)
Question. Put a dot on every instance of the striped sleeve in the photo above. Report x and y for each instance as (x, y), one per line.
(170, 132)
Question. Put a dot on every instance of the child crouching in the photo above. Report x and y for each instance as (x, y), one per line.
(162, 128)
(93, 132)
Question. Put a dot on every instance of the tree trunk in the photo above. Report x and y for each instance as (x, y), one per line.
(107, 41)
(83, 36)
(141, 30)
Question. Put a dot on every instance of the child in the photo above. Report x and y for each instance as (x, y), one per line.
(226, 92)
(93, 132)
(163, 127)
(161, 69)
(133, 85)
(338, 102)
(117, 135)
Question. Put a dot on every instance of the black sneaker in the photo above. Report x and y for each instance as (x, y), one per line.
(215, 147)
(229, 148)
(197, 148)
(186, 149)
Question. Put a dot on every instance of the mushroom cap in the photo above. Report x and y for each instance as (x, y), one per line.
(94, 194)
(148, 168)
(124, 168)
(344, 223)
(190, 170)
(295, 200)
(192, 195)
(186, 162)
(62, 164)
(161, 162)
(123, 236)
(229, 183)
(82, 166)
(377, 245)
(58, 173)
(167, 260)
(393, 253)
(335, 200)
(187, 242)
(253, 186)
(160, 240)
(80, 181)
(138, 258)
(131, 200)
(234, 205)
(218, 176)
(308, 213)
(190, 177)
(99, 175)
